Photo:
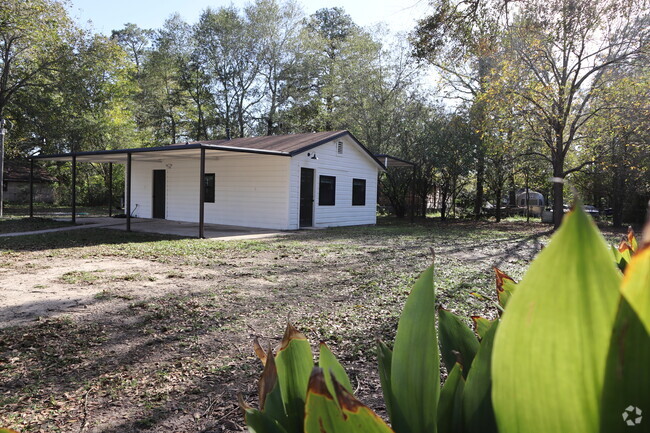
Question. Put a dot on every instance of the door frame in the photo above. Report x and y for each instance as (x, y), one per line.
(162, 197)
(300, 197)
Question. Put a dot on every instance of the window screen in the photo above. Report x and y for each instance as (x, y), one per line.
(358, 192)
(327, 191)
(208, 187)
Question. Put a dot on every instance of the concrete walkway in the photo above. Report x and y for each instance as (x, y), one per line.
(164, 227)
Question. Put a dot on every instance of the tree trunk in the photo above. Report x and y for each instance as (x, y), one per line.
(423, 205)
(453, 198)
(558, 192)
(443, 205)
(498, 204)
(618, 186)
(480, 179)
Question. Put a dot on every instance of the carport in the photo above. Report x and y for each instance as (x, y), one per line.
(149, 154)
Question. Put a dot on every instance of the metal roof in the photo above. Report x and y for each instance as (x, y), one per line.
(392, 161)
(279, 145)
(19, 171)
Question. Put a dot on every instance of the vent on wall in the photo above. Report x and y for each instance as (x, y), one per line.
(339, 148)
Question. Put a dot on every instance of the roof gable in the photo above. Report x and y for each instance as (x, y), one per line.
(291, 144)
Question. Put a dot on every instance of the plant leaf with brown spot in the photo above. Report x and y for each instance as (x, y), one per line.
(261, 354)
(294, 363)
(482, 325)
(631, 239)
(636, 285)
(505, 286)
(357, 416)
(322, 413)
(268, 380)
(328, 362)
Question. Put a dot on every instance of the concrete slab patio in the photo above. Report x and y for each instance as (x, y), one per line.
(165, 227)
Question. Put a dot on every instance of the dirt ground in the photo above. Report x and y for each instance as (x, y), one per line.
(146, 333)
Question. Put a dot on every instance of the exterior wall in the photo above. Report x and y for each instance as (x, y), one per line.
(353, 163)
(250, 190)
(260, 190)
(19, 192)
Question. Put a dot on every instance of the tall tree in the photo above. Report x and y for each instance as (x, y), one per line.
(33, 38)
(460, 38)
(227, 49)
(135, 41)
(556, 60)
(277, 27)
(333, 49)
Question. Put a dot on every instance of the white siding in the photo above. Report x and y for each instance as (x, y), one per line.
(141, 187)
(260, 190)
(353, 163)
(251, 190)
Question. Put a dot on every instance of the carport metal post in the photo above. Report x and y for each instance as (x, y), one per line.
(74, 189)
(31, 187)
(110, 189)
(128, 192)
(202, 195)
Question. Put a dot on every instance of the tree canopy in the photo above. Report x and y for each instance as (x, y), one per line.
(527, 91)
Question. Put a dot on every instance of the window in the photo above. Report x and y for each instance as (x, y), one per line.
(358, 192)
(208, 188)
(327, 191)
(339, 148)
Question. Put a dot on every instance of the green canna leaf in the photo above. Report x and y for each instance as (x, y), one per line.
(627, 376)
(618, 258)
(384, 359)
(415, 367)
(482, 325)
(450, 405)
(359, 418)
(322, 413)
(457, 342)
(294, 363)
(636, 285)
(345, 415)
(269, 389)
(550, 352)
(505, 287)
(328, 362)
(257, 422)
(478, 412)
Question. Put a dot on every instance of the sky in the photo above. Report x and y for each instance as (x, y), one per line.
(398, 15)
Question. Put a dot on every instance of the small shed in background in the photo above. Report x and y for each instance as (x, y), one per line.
(16, 183)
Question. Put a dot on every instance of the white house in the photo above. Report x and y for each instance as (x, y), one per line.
(286, 182)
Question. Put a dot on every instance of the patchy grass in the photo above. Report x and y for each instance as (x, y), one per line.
(174, 358)
(15, 225)
(77, 277)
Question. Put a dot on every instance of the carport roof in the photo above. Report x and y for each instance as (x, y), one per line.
(280, 145)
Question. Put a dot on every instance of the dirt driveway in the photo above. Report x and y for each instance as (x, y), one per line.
(104, 331)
